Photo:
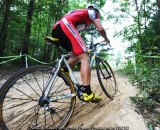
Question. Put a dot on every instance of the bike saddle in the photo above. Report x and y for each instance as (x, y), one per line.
(51, 40)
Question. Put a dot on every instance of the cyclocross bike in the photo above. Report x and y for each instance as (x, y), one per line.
(44, 97)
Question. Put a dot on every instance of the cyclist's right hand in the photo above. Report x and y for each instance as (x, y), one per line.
(107, 41)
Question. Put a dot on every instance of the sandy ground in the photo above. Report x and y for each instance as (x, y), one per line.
(117, 114)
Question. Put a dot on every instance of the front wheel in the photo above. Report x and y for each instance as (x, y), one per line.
(106, 78)
(20, 107)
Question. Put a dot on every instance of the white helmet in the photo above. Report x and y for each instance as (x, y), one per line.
(93, 6)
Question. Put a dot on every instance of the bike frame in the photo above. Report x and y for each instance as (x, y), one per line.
(52, 78)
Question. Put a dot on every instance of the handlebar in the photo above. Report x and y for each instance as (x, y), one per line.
(93, 47)
(104, 44)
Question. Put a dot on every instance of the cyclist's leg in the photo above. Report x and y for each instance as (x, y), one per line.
(73, 60)
(88, 95)
(85, 69)
(79, 48)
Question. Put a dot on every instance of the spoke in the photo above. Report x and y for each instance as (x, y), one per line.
(61, 109)
(25, 120)
(37, 82)
(51, 124)
(48, 82)
(37, 116)
(17, 105)
(34, 116)
(45, 118)
(52, 94)
(21, 99)
(21, 113)
(23, 93)
(58, 115)
(53, 121)
(43, 89)
(57, 89)
(31, 87)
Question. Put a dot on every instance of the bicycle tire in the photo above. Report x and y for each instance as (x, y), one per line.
(19, 96)
(106, 75)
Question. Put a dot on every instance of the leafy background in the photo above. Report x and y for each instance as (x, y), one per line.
(25, 23)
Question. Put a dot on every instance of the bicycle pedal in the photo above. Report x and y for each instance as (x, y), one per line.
(96, 102)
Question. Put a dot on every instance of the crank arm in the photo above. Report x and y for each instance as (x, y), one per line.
(67, 96)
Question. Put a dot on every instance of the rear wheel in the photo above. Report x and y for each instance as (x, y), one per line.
(20, 96)
(106, 78)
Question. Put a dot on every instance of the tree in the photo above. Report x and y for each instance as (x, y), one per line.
(56, 10)
(27, 33)
(27, 22)
(158, 5)
(4, 28)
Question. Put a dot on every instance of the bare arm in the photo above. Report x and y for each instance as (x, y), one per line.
(101, 30)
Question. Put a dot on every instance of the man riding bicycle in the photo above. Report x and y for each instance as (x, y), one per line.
(67, 31)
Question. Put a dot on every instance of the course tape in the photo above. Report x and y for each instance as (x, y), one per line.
(11, 58)
(155, 57)
(7, 57)
(15, 58)
(19, 56)
(37, 60)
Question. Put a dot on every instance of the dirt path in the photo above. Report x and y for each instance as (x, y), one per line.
(117, 114)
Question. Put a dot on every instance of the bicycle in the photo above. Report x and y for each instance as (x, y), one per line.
(44, 97)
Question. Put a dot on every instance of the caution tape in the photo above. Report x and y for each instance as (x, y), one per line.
(37, 60)
(12, 58)
(155, 57)
(7, 57)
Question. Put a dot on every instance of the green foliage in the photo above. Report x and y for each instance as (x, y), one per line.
(128, 69)
(143, 32)
(45, 14)
(147, 78)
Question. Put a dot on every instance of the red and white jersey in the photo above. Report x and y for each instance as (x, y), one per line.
(81, 18)
(74, 22)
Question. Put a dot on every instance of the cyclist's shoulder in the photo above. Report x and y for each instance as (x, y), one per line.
(78, 11)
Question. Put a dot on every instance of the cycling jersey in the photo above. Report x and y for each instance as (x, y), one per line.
(74, 22)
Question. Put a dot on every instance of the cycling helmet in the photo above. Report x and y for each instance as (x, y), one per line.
(93, 6)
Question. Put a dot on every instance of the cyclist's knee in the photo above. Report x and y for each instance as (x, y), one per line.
(83, 57)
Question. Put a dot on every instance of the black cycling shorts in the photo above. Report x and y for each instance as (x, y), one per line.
(64, 40)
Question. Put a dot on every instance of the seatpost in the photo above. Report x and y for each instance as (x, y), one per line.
(59, 51)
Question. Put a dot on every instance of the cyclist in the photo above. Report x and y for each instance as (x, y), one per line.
(67, 30)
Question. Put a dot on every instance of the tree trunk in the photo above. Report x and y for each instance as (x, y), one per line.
(158, 4)
(4, 28)
(27, 33)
